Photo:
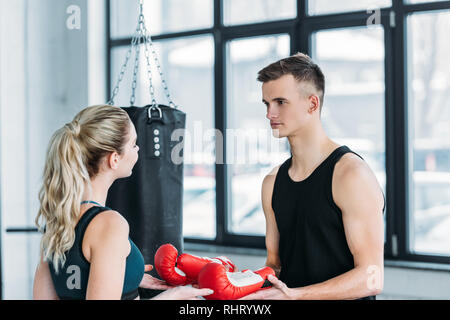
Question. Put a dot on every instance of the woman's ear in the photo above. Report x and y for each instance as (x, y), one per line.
(113, 160)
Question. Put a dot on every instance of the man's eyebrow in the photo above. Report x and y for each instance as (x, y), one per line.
(276, 99)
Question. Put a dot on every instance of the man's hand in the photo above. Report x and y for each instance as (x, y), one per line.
(149, 282)
(279, 291)
(184, 293)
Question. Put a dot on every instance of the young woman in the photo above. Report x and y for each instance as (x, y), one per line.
(86, 252)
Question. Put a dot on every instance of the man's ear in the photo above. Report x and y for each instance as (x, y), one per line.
(113, 160)
(314, 103)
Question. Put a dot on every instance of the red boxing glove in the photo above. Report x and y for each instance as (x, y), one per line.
(231, 286)
(229, 265)
(191, 264)
(166, 265)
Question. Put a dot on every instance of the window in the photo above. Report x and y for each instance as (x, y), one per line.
(316, 7)
(187, 65)
(353, 111)
(252, 152)
(162, 16)
(252, 11)
(371, 94)
(429, 122)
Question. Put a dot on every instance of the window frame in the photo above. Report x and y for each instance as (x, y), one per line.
(300, 30)
(401, 55)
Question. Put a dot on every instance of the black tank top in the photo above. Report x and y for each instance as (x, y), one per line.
(72, 279)
(312, 246)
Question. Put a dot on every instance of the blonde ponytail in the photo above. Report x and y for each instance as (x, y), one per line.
(73, 158)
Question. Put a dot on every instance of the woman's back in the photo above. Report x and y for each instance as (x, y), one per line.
(71, 282)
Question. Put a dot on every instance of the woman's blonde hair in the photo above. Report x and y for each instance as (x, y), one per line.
(73, 157)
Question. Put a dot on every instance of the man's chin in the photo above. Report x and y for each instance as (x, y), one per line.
(278, 134)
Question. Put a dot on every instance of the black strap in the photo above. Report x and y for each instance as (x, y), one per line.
(87, 217)
(130, 295)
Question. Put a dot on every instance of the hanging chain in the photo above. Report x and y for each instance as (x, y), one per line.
(147, 58)
(137, 45)
(142, 36)
(123, 69)
(149, 43)
(119, 80)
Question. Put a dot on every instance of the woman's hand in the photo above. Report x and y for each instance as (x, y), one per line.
(149, 282)
(173, 293)
(184, 293)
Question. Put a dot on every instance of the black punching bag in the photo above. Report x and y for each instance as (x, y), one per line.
(151, 199)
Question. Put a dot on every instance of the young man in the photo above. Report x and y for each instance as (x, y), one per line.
(323, 206)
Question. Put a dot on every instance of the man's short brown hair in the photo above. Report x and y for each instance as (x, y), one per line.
(301, 67)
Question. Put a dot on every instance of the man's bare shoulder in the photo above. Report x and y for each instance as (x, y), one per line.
(269, 179)
(351, 165)
(353, 175)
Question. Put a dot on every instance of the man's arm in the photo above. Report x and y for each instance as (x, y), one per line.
(358, 194)
(272, 234)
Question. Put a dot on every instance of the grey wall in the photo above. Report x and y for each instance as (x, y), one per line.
(48, 73)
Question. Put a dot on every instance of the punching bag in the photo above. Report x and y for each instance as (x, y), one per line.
(151, 199)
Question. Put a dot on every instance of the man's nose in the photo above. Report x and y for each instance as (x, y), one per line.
(271, 113)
